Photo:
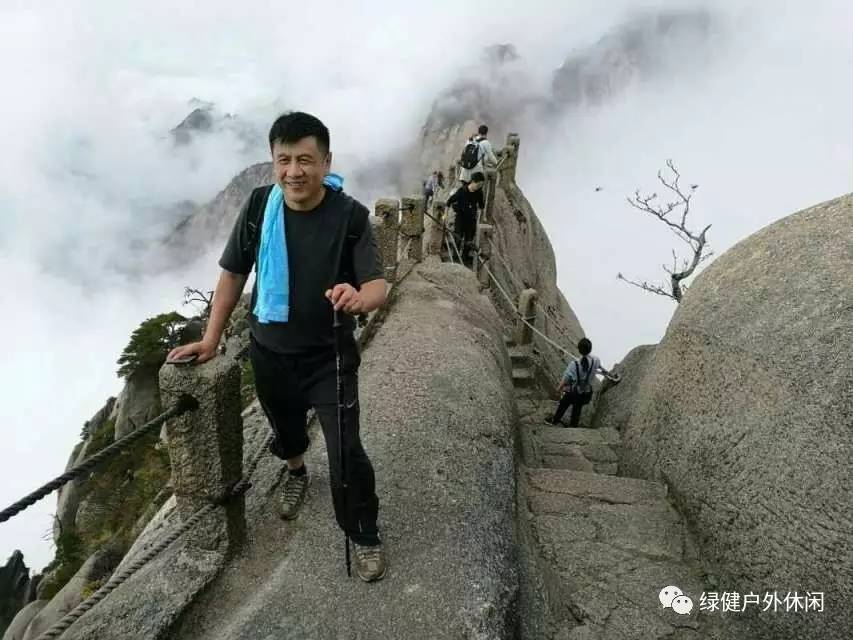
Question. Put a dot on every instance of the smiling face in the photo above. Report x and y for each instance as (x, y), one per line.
(299, 170)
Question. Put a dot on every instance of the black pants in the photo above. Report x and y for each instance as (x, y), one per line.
(577, 401)
(287, 385)
(466, 225)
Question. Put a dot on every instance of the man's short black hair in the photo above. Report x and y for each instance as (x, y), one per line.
(483, 130)
(585, 346)
(478, 176)
(293, 126)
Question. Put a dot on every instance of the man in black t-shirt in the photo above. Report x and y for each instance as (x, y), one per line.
(466, 200)
(333, 264)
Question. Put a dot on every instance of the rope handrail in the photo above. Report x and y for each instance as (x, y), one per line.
(117, 580)
(185, 403)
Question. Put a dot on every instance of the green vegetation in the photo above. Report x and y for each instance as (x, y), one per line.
(151, 342)
(115, 496)
(70, 555)
(120, 491)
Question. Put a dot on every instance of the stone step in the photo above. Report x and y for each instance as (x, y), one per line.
(522, 378)
(605, 547)
(519, 356)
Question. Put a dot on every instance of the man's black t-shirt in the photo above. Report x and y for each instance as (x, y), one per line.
(465, 202)
(315, 244)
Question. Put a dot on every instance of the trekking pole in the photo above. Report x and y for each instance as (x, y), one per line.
(338, 329)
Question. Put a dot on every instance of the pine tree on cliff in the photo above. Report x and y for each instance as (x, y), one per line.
(150, 343)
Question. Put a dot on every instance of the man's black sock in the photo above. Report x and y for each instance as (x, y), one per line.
(301, 471)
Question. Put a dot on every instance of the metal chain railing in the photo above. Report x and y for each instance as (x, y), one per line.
(123, 576)
(185, 403)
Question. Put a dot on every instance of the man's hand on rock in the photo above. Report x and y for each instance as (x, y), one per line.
(345, 296)
(202, 350)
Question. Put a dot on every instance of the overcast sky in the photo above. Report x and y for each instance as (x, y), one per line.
(90, 90)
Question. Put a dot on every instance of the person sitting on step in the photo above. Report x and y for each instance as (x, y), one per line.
(576, 384)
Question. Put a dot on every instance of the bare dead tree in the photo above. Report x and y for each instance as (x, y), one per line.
(194, 295)
(698, 243)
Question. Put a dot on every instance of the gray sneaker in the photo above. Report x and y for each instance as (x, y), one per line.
(370, 562)
(295, 489)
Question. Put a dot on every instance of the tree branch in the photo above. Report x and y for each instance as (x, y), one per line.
(696, 242)
(645, 286)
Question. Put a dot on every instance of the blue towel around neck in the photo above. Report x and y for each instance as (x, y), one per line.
(273, 301)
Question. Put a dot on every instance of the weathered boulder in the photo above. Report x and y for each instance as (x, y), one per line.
(25, 616)
(98, 566)
(615, 402)
(138, 403)
(746, 414)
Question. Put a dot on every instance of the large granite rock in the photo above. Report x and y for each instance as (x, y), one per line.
(138, 402)
(98, 566)
(25, 616)
(746, 414)
(615, 401)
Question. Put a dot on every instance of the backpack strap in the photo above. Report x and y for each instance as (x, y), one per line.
(255, 218)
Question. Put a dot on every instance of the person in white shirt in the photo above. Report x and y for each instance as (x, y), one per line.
(576, 384)
(487, 157)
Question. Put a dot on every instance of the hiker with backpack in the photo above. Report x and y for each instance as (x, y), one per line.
(476, 155)
(576, 384)
(317, 262)
(465, 201)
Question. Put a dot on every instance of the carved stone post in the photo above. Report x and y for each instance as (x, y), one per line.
(387, 211)
(484, 246)
(206, 449)
(510, 158)
(491, 184)
(527, 310)
(434, 233)
(412, 226)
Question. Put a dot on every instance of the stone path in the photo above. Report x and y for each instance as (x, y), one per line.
(600, 546)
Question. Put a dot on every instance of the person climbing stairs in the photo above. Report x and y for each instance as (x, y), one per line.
(604, 546)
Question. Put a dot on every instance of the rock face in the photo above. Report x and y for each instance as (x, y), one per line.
(746, 415)
(526, 260)
(642, 47)
(213, 222)
(138, 403)
(615, 402)
(19, 625)
(72, 594)
(14, 588)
